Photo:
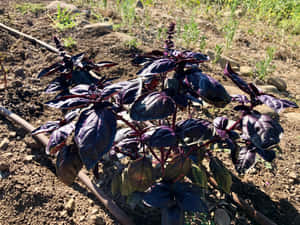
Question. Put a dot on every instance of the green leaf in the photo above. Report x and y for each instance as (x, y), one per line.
(221, 174)
(140, 174)
(126, 187)
(199, 176)
(116, 184)
(178, 167)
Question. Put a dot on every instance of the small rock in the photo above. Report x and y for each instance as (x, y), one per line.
(28, 158)
(53, 6)
(268, 89)
(64, 213)
(96, 220)
(233, 90)
(4, 144)
(246, 70)
(98, 28)
(7, 155)
(4, 166)
(119, 36)
(12, 134)
(70, 205)
(279, 83)
(94, 211)
(293, 175)
(20, 73)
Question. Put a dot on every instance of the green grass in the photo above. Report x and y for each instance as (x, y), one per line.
(64, 19)
(69, 42)
(30, 7)
(127, 11)
(264, 66)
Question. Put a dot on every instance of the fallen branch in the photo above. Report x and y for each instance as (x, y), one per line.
(106, 201)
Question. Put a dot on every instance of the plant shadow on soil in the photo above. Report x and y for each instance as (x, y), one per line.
(282, 212)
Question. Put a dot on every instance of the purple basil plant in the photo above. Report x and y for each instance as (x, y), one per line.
(138, 119)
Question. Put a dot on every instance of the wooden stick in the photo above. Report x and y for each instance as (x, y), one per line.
(37, 41)
(106, 201)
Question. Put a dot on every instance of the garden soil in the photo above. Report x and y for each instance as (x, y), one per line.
(31, 194)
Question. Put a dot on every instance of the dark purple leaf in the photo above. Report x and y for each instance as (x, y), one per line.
(58, 84)
(195, 55)
(233, 149)
(189, 196)
(69, 103)
(158, 66)
(268, 155)
(50, 70)
(130, 144)
(162, 136)
(47, 127)
(94, 134)
(77, 60)
(193, 128)
(123, 133)
(220, 124)
(70, 116)
(181, 100)
(173, 215)
(156, 105)
(208, 88)
(131, 92)
(82, 77)
(81, 89)
(246, 158)
(240, 98)
(159, 196)
(58, 138)
(276, 104)
(261, 130)
(113, 89)
(228, 71)
(104, 64)
(68, 164)
(194, 99)
(142, 60)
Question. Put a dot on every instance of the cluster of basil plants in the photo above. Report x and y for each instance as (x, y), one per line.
(164, 154)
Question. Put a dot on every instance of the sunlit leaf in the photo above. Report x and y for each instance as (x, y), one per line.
(162, 136)
(156, 105)
(261, 130)
(276, 104)
(94, 134)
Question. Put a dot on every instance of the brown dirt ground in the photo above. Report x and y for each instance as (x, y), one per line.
(31, 194)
